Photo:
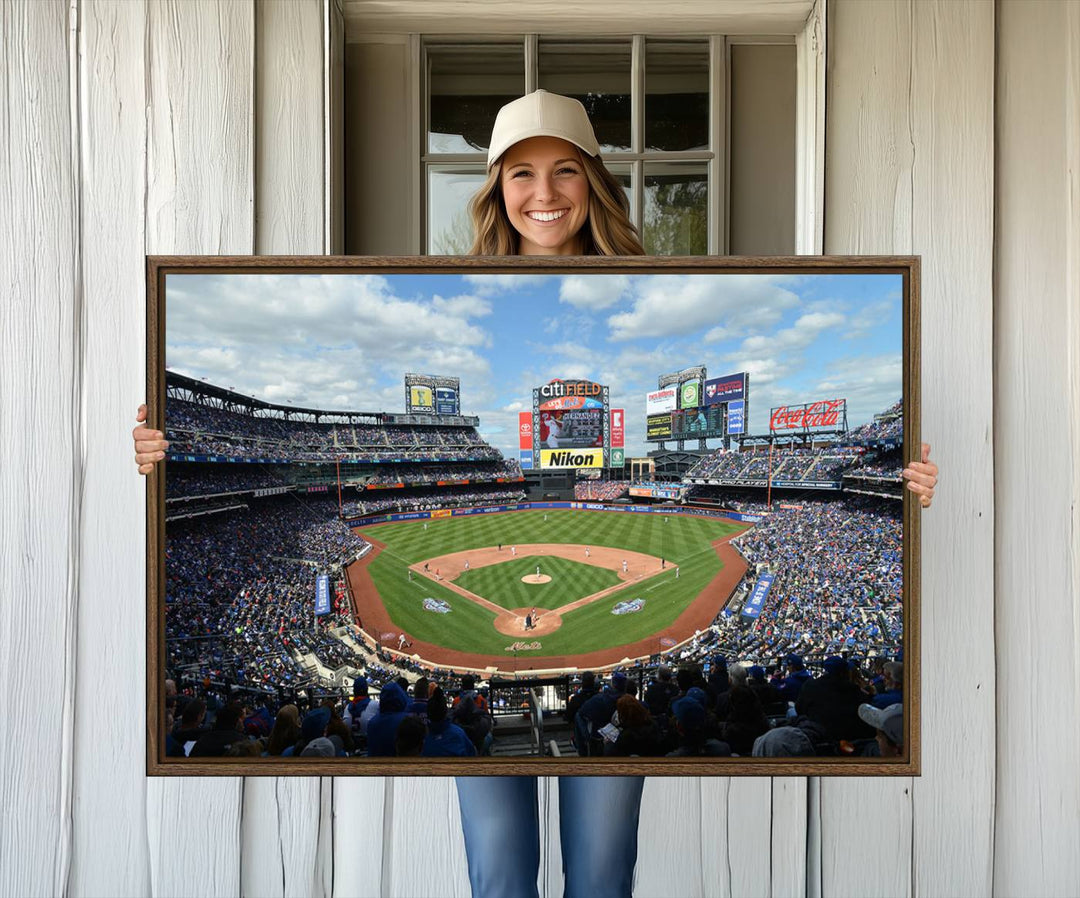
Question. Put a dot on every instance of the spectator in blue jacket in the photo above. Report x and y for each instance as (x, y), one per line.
(444, 739)
(382, 731)
(797, 675)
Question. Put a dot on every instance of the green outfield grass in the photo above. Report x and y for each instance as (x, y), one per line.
(683, 541)
(570, 580)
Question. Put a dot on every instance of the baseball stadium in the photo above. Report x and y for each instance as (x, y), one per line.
(309, 551)
(477, 515)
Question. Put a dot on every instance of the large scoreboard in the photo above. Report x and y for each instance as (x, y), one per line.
(571, 425)
(698, 407)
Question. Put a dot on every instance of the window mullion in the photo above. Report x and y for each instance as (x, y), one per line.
(718, 167)
(532, 63)
(637, 129)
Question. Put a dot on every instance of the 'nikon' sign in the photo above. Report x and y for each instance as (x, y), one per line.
(571, 458)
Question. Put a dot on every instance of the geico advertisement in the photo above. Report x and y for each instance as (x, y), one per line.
(571, 458)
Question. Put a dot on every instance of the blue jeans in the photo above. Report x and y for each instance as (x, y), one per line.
(598, 822)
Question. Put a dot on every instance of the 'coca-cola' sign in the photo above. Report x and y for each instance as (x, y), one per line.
(826, 413)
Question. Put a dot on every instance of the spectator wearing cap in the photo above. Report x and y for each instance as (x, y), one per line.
(893, 692)
(660, 693)
(888, 724)
(797, 677)
(313, 727)
(582, 694)
(360, 710)
(444, 739)
(690, 719)
(418, 705)
(382, 730)
(832, 701)
(596, 714)
(767, 693)
(228, 728)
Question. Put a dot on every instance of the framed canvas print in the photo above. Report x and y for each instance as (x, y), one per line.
(533, 516)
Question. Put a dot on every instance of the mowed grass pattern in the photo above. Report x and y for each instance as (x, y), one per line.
(682, 541)
(503, 585)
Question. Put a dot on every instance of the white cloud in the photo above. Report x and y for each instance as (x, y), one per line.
(676, 305)
(318, 339)
(593, 291)
(806, 329)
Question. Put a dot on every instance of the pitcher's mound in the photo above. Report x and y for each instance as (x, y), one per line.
(533, 578)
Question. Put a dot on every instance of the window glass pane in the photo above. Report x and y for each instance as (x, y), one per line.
(449, 191)
(597, 74)
(676, 95)
(624, 176)
(466, 87)
(676, 209)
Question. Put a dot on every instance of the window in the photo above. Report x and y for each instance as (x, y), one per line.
(660, 108)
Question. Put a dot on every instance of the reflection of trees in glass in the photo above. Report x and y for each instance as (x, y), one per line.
(455, 239)
(676, 218)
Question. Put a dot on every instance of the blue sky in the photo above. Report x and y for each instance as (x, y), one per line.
(345, 341)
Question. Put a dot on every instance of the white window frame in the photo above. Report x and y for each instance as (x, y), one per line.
(810, 124)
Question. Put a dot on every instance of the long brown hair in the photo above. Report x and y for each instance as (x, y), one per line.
(607, 230)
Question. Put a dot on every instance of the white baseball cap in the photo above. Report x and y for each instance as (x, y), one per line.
(541, 114)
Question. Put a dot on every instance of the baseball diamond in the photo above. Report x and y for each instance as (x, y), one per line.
(571, 614)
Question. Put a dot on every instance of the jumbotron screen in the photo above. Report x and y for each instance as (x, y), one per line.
(704, 421)
(572, 429)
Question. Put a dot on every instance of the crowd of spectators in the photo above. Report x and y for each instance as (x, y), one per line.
(599, 490)
(195, 429)
(411, 475)
(786, 464)
(422, 719)
(887, 466)
(746, 709)
(886, 427)
(837, 571)
(432, 500)
(240, 590)
(185, 480)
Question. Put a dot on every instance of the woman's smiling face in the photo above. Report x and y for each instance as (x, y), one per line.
(546, 195)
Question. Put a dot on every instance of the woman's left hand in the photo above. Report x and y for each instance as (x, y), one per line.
(921, 477)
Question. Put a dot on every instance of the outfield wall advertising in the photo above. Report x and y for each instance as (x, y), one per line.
(527, 506)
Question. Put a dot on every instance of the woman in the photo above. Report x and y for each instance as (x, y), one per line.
(547, 193)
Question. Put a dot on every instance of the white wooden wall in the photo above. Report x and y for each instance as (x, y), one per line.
(953, 131)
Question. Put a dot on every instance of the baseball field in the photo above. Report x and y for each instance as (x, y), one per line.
(557, 588)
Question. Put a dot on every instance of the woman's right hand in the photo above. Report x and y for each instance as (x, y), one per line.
(150, 445)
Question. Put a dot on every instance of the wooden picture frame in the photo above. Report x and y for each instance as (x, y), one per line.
(797, 312)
